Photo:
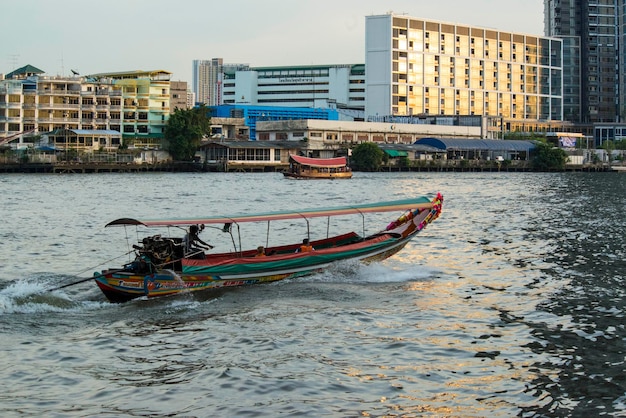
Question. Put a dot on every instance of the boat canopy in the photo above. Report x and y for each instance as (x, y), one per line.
(320, 162)
(422, 202)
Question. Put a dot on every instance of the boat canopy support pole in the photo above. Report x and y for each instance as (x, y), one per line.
(327, 227)
(308, 229)
(308, 226)
(228, 227)
(239, 237)
(363, 219)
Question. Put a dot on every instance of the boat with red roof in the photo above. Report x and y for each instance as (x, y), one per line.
(318, 168)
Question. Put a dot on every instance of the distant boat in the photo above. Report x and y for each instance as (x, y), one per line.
(318, 168)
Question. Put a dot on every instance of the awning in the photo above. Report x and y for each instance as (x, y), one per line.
(396, 153)
(319, 162)
(422, 202)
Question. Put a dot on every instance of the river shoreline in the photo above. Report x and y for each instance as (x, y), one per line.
(192, 167)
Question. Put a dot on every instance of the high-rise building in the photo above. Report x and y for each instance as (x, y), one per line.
(208, 78)
(423, 67)
(592, 60)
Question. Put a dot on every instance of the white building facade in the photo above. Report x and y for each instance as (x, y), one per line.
(339, 87)
(208, 78)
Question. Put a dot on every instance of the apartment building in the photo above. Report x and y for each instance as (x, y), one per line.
(134, 103)
(594, 57)
(423, 67)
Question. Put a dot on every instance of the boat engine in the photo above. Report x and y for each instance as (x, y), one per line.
(162, 252)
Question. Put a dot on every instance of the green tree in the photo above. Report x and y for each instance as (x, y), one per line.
(366, 157)
(610, 146)
(546, 157)
(184, 131)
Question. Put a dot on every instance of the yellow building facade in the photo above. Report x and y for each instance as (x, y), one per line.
(422, 67)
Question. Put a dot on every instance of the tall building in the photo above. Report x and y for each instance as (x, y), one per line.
(208, 76)
(423, 67)
(592, 57)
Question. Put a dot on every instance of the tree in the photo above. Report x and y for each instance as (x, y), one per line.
(548, 157)
(184, 130)
(366, 157)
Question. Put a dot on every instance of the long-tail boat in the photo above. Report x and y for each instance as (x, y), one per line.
(162, 267)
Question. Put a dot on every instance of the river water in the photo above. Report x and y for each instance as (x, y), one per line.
(510, 304)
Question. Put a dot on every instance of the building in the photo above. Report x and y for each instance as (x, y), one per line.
(254, 114)
(340, 87)
(594, 55)
(134, 103)
(246, 156)
(84, 140)
(208, 77)
(179, 96)
(327, 139)
(423, 67)
(144, 97)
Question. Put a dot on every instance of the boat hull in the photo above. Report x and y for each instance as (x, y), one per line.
(319, 176)
(122, 286)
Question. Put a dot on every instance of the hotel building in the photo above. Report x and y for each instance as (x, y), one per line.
(424, 67)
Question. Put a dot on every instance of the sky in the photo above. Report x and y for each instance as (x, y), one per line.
(91, 37)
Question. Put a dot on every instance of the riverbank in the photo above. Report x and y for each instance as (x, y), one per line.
(191, 167)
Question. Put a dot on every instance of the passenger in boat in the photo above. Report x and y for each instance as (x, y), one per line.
(192, 242)
(305, 247)
(260, 251)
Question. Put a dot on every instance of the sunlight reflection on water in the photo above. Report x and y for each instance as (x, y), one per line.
(510, 304)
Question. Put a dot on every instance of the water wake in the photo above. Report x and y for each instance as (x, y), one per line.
(28, 296)
(356, 272)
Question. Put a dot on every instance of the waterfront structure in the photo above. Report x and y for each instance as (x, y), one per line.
(134, 103)
(417, 66)
(82, 140)
(245, 156)
(594, 55)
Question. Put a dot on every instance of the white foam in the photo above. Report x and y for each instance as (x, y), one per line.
(356, 272)
(26, 296)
